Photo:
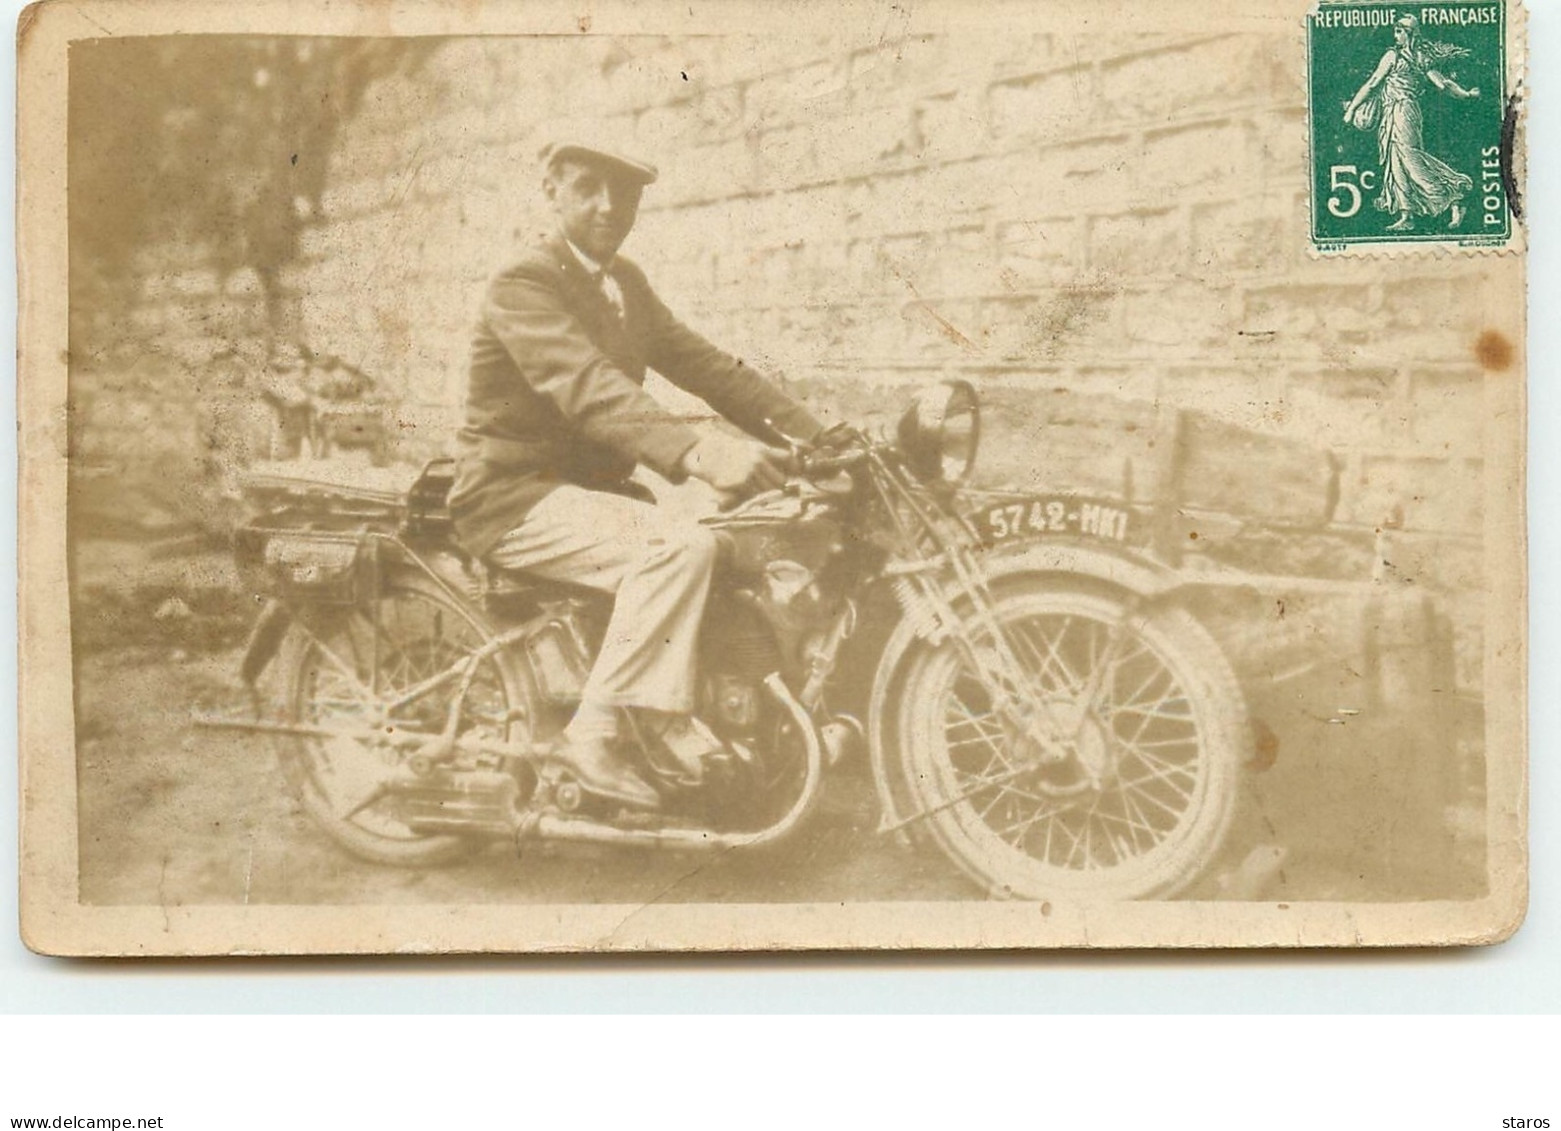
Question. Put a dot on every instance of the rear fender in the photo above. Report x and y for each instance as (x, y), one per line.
(265, 640)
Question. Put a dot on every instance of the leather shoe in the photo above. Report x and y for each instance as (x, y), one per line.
(687, 740)
(600, 771)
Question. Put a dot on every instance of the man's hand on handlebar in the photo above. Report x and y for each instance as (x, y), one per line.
(734, 466)
(837, 438)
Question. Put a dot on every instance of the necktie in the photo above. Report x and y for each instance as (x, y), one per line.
(612, 292)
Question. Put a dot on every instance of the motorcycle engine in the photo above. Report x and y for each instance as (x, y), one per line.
(738, 649)
(755, 630)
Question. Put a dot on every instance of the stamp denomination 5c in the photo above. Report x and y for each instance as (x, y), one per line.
(1408, 103)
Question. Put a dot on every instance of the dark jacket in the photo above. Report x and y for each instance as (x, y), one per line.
(555, 391)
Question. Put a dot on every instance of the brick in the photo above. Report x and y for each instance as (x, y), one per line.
(1248, 396)
(1424, 494)
(799, 324)
(950, 328)
(732, 270)
(845, 143)
(197, 282)
(1348, 408)
(1137, 243)
(718, 114)
(1252, 234)
(779, 273)
(783, 157)
(1277, 134)
(866, 268)
(243, 283)
(797, 94)
(1448, 409)
(1064, 324)
(636, 82)
(1076, 176)
(1154, 85)
(1181, 314)
(1125, 382)
(1431, 318)
(962, 261)
(449, 172)
(954, 193)
(1314, 315)
(351, 198)
(846, 328)
(1039, 251)
(1020, 52)
(949, 126)
(778, 217)
(1214, 154)
(710, 172)
(884, 73)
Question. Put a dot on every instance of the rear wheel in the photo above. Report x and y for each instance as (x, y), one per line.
(1117, 778)
(350, 669)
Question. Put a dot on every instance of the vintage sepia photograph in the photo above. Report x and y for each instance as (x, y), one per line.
(515, 478)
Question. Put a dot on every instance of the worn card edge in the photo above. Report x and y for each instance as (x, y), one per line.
(53, 922)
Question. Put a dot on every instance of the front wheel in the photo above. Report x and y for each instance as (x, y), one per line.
(1115, 776)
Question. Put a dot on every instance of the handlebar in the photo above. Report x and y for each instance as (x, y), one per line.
(818, 465)
(822, 464)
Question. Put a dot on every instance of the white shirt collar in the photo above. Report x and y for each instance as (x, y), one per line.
(594, 269)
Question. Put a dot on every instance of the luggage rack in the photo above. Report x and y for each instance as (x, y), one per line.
(412, 499)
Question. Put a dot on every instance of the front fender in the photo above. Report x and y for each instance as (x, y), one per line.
(1119, 569)
(1116, 569)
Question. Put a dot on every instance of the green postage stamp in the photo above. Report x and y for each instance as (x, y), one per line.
(1409, 136)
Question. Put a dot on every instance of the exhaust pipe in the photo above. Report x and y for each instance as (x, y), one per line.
(552, 827)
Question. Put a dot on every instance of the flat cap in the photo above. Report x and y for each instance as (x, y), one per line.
(601, 144)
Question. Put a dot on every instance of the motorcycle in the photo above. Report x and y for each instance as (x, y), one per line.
(1039, 707)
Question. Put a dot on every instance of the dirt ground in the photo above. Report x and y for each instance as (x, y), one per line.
(175, 814)
(172, 814)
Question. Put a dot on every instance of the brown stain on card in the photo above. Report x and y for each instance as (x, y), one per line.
(1265, 747)
(1494, 351)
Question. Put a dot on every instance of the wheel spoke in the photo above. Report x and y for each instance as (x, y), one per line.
(1126, 821)
(1146, 795)
(1024, 824)
(1055, 655)
(1154, 760)
(1106, 692)
(409, 635)
(1139, 783)
(1129, 802)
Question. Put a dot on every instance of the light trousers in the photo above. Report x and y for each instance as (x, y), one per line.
(658, 565)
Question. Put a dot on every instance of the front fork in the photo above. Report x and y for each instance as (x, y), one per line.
(1025, 710)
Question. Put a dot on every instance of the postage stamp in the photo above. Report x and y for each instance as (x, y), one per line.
(1408, 106)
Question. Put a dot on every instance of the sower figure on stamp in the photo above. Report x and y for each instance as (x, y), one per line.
(556, 421)
(1414, 183)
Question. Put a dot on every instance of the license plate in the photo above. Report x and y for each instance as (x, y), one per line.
(1047, 515)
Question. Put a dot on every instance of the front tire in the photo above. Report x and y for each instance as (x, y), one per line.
(1135, 800)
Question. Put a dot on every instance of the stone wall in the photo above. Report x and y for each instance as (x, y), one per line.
(1095, 224)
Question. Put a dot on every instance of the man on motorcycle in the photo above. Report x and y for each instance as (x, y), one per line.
(556, 421)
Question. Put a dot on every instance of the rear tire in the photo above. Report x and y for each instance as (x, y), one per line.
(421, 630)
